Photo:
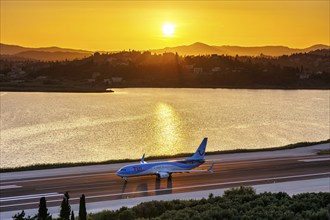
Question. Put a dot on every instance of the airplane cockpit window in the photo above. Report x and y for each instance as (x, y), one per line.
(123, 169)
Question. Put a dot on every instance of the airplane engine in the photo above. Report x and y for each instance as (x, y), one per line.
(163, 175)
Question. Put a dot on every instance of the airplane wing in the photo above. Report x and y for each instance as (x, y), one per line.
(193, 171)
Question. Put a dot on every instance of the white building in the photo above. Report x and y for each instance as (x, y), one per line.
(117, 79)
(95, 75)
(216, 69)
(107, 81)
(198, 70)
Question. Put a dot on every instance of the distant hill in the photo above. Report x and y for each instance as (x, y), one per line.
(43, 53)
(193, 49)
(203, 49)
(57, 53)
(51, 56)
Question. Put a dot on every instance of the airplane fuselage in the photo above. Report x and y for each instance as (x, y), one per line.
(161, 169)
(167, 168)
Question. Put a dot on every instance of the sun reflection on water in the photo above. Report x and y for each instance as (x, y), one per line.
(168, 132)
(74, 127)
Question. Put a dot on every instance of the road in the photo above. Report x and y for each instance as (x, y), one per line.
(19, 194)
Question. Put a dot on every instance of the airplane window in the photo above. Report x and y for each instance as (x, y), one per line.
(123, 169)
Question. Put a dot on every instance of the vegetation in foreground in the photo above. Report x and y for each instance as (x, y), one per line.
(237, 203)
(62, 165)
(66, 213)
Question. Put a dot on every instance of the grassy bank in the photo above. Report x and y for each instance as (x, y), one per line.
(100, 89)
(323, 152)
(56, 89)
(62, 165)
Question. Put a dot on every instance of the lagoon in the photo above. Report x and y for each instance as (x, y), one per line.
(83, 127)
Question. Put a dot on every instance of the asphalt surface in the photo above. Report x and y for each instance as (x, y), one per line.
(24, 193)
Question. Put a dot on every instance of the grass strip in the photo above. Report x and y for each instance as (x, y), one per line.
(323, 152)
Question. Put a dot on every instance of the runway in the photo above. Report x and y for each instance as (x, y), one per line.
(24, 194)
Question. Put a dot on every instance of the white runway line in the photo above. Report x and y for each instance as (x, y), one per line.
(262, 160)
(315, 160)
(25, 197)
(9, 187)
(61, 187)
(59, 178)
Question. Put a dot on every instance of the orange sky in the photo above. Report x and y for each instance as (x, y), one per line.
(118, 25)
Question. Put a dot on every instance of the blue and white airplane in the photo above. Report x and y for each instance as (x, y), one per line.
(165, 169)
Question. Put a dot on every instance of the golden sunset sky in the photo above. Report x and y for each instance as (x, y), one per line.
(119, 25)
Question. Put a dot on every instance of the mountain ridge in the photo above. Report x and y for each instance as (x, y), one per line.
(198, 48)
(43, 53)
(11, 49)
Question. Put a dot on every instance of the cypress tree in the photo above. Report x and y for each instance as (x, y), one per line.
(72, 215)
(43, 211)
(66, 195)
(65, 207)
(82, 208)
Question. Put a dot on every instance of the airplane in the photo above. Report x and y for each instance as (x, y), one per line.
(166, 169)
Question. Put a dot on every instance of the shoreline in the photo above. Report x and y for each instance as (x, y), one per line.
(63, 90)
(108, 162)
(107, 90)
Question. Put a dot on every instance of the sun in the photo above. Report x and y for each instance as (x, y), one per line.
(168, 29)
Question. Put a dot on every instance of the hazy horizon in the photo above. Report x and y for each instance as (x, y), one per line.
(147, 49)
(117, 26)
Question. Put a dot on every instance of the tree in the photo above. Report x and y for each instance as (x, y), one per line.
(72, 215)
(127, 215)
(65, 207)
(82, 208)
(66, 195)
(19, 216)
(43, 211)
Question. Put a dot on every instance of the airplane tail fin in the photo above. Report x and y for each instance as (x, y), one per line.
(200, 152)
(142, 159)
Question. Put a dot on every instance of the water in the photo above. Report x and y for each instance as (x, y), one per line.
(72, 127)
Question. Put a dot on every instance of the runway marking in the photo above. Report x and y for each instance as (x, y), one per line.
(25, 197)
(211, 184)
(61, 187)
(9, 187)
(314, 160)
(59, 178)
(261, 160)
(177, 188)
